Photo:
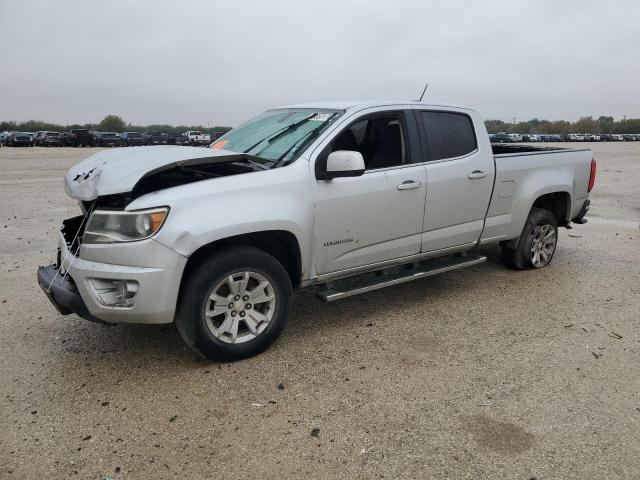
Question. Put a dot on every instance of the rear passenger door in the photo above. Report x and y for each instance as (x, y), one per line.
(459, 179)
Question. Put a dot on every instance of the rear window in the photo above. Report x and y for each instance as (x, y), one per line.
(449, 134)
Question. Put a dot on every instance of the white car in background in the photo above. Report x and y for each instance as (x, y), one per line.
(197, 138)
(516, 137)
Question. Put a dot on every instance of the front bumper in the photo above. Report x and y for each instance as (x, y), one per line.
(77, 292)
(62, 293)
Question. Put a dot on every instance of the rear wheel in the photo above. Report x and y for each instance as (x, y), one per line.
(235, 304)
(537, 243)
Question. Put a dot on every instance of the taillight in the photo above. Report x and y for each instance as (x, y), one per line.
(592, 175)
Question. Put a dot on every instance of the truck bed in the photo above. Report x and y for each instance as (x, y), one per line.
(524, 173)
(506, 149)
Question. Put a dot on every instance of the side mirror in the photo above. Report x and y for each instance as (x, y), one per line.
(344, 163)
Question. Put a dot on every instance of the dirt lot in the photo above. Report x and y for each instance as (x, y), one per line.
(482, 373)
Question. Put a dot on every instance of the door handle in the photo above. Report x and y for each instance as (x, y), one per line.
(477, 174)
(409, 185)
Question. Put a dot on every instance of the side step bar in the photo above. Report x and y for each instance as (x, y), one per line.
(349, 287)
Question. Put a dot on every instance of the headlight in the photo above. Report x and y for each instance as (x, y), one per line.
(106, 226)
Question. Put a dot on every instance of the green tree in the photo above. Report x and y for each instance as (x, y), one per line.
(112, 123)
(606, 124)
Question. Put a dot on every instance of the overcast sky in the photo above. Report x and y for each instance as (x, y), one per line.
(219, 62)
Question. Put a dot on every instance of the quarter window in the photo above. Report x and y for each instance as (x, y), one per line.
(449, 134)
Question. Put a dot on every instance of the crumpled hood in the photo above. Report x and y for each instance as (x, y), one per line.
(117, 171)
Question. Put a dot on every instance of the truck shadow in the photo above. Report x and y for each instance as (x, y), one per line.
(311, 320)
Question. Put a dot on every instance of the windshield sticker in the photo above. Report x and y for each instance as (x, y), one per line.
(219, 145)
(320, 117)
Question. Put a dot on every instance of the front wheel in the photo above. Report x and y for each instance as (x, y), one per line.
(536, 244)
(235, 304)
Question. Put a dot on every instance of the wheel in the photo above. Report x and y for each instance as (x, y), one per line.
(235, 304)
(536, 244)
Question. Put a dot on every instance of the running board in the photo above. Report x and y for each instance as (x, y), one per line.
(349, 287)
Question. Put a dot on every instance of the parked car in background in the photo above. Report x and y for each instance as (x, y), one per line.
(630, 137)
(20, 139)
(133, 139)
(531, 137)
(79, 137)
(177, 138)
(575, 137)
(502, 138)
(156, 138)
(197, 138)
(516, 137)
(38, 136)
(216, 135)
(107, 139)
(616, 137)
(3, 137)
(553, 138)
(50, 139)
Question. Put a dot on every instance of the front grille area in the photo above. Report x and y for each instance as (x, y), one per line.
(72, 230)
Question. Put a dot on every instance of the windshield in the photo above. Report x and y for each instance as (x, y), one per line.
(276, 135)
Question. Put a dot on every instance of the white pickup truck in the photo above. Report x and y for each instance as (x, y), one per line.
(344, 198)
(197, 138)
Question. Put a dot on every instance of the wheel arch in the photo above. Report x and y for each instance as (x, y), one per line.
(281, 244)
(558, 203)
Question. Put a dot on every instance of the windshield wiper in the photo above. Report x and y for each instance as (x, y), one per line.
(278, 133)
(310, 134)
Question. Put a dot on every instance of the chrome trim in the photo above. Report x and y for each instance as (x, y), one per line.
(451, 159)
(349, 272)
(332, 295)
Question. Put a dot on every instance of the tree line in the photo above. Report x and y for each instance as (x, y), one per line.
(114, 123)
(110, 123)
(583, 125)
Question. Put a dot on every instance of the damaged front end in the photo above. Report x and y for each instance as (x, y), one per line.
(118, 176)
(106, 259)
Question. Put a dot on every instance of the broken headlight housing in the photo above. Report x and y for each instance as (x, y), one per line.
(109, 226)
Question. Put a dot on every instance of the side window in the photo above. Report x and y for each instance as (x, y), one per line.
(449, 134)
(381, 140)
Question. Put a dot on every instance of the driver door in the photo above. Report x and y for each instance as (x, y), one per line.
(377, 216)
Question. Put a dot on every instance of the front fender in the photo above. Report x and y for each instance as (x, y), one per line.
(210, 210)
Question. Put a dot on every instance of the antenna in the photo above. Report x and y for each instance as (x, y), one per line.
(423, 91)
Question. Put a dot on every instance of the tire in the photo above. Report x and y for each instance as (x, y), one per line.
(537, 243)
(213, 336)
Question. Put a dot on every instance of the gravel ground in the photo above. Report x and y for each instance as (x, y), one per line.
(481, 373)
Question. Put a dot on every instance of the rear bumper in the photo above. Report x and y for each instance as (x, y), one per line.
(583, 211)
